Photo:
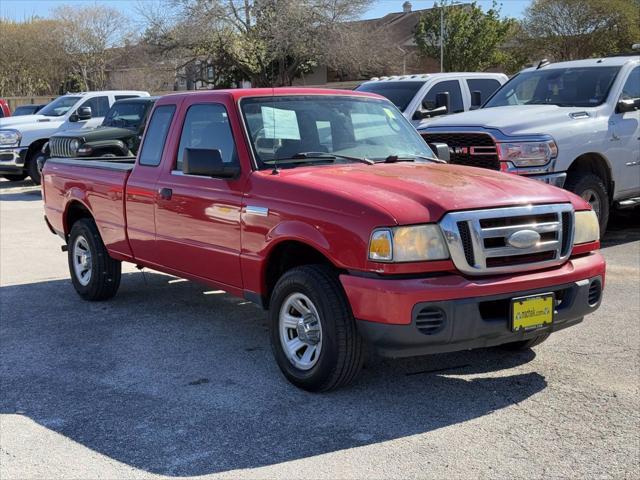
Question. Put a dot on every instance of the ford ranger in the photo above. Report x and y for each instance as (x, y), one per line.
(328, 209)
(573, 124)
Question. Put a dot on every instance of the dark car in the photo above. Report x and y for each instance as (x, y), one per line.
(30, 109)
(118, 136)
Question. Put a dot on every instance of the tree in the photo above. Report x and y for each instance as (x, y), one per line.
(472, 38)
(33, 61)
(89, 37)
(572, 29)
(269, 42)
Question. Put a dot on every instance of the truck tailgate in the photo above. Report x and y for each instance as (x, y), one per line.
(96, 185)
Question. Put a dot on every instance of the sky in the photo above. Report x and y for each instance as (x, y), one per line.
(23, 9)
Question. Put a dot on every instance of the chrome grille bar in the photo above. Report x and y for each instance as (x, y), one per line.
(478, 250)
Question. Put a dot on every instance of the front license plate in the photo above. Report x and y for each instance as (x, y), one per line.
(532, 312)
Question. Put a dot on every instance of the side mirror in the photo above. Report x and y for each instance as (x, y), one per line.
(207, 163)
(441, 150)
(476, 99)
(443, 100)
(629, 105)
(83, 113)
(442, 107)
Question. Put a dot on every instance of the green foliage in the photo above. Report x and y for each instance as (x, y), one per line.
(573, 29)
(472, 38)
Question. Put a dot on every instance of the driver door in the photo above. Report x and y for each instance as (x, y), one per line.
(99, 108)
(624, 152)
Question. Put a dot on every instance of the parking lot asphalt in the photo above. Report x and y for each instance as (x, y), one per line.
(171, 379)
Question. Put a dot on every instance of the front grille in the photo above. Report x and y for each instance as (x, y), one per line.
(473, 149)
(61, 147)
(430, 320)
(483, 242)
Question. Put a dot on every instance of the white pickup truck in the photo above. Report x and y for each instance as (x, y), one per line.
(573, 124)
(22, 137)
(423, 97)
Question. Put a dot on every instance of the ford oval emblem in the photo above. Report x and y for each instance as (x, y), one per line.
(523, 239)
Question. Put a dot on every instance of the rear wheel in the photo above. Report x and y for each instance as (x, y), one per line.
(525, 344)
(15, 177)
(313, 332)
(591, 188)
(95, 275)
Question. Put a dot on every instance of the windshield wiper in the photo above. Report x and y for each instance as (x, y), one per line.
(320, 156)
(410, 158)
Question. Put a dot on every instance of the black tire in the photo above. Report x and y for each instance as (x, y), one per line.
(525, 344)
(105, 273)
(32, 169)
(15, 177)
(589, 184)
(343, 349)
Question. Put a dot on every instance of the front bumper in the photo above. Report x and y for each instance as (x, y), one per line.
(474, 313)
(12, 159)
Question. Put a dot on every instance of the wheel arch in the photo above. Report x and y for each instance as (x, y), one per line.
(596, 164)
(33, 149)
(284, 255)
(74, 211)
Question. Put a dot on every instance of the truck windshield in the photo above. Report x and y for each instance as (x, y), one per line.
(565, 87)
(126, 115)
(400, 93)
(59, 106)
(304, 126)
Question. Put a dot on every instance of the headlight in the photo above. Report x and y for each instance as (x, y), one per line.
(408, 244)
(528, 154)
(10, 138)
(587, 227)
(74, 145)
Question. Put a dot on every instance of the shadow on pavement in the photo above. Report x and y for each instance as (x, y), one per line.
(21, 196)
(5, 184)
(172, 381)
(623, 227)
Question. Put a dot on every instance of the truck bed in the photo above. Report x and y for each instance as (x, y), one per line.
(96, 184)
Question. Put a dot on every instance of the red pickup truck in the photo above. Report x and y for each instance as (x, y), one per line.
(327, 208)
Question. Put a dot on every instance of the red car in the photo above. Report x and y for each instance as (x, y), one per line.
(5, 111)
(328, 209)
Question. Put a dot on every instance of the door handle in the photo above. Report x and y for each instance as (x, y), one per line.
(165, 193)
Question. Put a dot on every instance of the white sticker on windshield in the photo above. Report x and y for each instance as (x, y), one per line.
(278, 123)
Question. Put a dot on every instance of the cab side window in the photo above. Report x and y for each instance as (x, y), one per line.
(206, 126)
(486, 86)
(99, 106)
(631, 89)
(455, 95)
(156, 135)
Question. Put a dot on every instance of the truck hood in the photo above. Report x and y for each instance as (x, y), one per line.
(97, 133)
(514, 119)
(23, 119)
(420, 193)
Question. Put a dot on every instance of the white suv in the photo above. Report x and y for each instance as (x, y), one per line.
(421, 97)
(22, 137)
(573, 124)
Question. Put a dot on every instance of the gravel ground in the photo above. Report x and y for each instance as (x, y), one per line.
(171, 380)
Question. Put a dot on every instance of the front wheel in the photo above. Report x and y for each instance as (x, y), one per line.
(591, 188)
(95, 275)
(32, 169)
(313, 333)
